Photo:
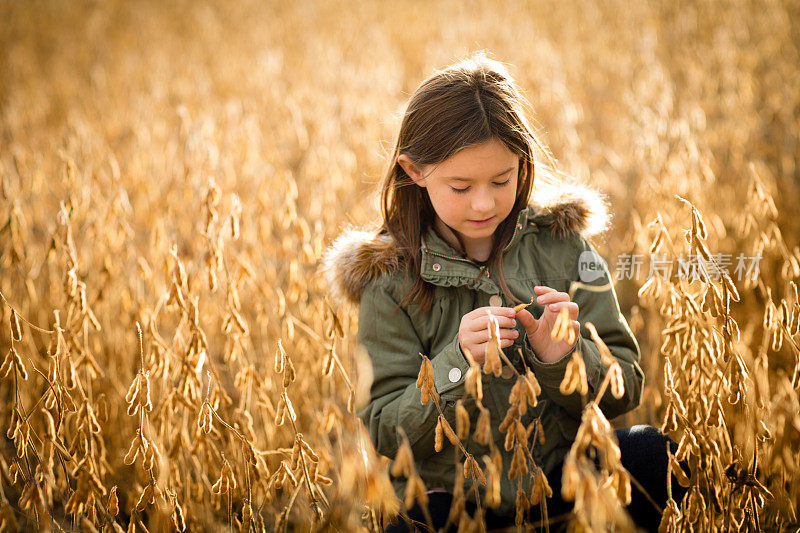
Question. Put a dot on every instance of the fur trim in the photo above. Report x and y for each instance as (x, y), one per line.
(359, 256)
(569, 209)
(354, 259)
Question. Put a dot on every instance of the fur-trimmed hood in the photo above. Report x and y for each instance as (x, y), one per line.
(358, 256)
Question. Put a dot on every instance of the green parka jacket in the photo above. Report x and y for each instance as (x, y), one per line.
(547, 248)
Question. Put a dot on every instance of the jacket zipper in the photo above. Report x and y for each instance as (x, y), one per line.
(431, 252)
(516, 228)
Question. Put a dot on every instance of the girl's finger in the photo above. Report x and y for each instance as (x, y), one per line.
(504, 343)
(498, 311)
(528, 321)
(572, 306)
(508, 333)
(541, 289)
(481, 322)
(505, 333)
(552, 297)
(507, 312)
(480, 348)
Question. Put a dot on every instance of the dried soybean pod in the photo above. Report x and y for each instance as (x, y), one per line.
(421, 375)
(16, 330)
(113, 502)
(473, 382)
(403, 461)
(5, 369)
(509, 418)
(280, 357)
(520, 307)
(462, 420)
(617, 382)
(438, 442)
(483, 428)
(289, 372)
(449, 433)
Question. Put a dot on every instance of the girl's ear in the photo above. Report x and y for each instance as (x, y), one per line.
(413, 171)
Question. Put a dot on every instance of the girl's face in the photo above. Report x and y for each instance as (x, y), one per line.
(472, 191)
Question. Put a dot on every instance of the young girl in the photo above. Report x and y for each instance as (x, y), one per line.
(459, 239)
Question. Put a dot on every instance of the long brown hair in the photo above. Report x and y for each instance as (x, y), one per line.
(467, 103)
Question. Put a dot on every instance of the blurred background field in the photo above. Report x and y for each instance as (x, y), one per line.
(183, 165)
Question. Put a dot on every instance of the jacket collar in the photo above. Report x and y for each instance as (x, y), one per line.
(443, 265)
(359, 256)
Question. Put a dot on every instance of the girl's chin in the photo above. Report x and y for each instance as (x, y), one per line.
(478, 233)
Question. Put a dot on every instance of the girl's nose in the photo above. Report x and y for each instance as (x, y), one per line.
(483, 202)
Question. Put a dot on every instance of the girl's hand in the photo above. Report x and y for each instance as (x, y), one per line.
(543, 345)
(473, 333)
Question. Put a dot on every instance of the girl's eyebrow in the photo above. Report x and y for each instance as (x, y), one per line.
(458, 178)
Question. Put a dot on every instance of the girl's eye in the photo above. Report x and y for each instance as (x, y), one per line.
(496, 184)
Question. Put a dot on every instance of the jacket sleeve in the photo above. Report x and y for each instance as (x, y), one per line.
(388, 334)
(601, 309)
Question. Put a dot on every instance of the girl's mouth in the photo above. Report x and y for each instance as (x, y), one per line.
(483, 222)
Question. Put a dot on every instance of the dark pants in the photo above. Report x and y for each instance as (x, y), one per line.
(644, 455)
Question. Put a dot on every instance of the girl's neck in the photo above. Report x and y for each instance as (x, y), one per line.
(476, 250)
